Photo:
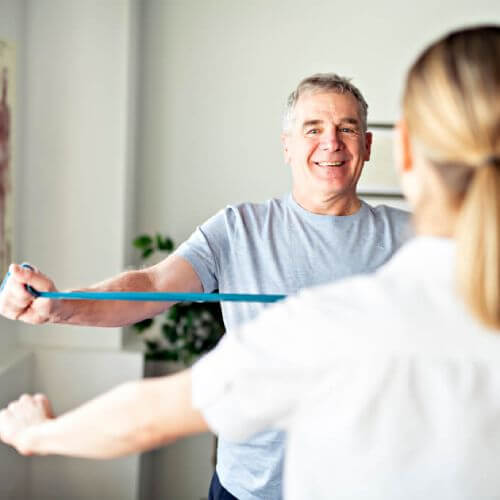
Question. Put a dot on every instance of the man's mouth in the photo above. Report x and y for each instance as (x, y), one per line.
(329, 163)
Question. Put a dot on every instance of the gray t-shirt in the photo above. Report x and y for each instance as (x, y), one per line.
(278, 247)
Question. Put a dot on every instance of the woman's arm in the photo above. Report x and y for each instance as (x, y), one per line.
(131, 418)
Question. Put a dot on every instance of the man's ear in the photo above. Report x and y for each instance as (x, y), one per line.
(285, 143)
(403, 156)
(368, 145)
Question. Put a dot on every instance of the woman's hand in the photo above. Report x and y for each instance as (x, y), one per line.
(19, 417)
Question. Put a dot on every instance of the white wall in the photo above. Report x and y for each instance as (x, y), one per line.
(80, 87)
(16, 372)
(74, 218)
(72, 378)
(212, 77)
(77, 211)
(216, 74)
(215, 77)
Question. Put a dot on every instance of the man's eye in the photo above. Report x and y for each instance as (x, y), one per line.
(312, 131)
(346, 130)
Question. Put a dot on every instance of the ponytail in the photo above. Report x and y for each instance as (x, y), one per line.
(478, 245)
(451, 105)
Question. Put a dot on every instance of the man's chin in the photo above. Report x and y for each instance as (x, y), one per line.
(331, 182)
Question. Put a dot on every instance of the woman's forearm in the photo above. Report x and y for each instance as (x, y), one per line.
(135, 416)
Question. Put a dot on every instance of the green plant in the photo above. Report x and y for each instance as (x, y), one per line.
(189, 329)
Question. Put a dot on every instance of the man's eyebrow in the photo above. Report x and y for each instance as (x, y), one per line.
(347, 119)
(352, 121)
(309, 123)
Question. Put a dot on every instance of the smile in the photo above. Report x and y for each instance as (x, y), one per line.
(329, 163)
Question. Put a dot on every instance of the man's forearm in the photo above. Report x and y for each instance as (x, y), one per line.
(111, 313)
(173, 274)
(131, 418)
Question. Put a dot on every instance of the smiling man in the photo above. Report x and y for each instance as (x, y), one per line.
(326, 143)
(319, 233)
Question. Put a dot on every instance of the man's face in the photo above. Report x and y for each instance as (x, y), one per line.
(326, 146)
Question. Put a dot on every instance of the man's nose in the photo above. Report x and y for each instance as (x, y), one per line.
(330, 141)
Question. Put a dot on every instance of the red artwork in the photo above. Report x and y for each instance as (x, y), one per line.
(4, 168)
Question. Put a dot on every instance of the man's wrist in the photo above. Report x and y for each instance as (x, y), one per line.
(61, 311)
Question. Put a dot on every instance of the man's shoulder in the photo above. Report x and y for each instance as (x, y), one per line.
(261, 206)
(245, 217)
(393, 214)
(255, 210)
(389, 210)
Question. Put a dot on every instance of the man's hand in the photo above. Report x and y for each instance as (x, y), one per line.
(20, 416)
(17, 303)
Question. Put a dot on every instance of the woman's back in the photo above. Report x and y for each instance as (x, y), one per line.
(406, 403)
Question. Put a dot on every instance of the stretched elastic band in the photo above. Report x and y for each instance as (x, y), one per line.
(151, 296)
(160, 296)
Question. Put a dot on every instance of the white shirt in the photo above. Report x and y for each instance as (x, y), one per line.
(387, 386)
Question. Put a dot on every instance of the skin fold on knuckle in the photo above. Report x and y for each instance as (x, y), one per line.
(13, 314)
(38, 319)
(20, 316)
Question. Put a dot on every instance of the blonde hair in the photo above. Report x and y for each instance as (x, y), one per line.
(451, 106)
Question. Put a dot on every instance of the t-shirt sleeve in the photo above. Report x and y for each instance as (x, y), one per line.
(255, 378)
(204, 248)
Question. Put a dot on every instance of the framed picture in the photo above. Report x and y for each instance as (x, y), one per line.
(7, 105)
(379, 182)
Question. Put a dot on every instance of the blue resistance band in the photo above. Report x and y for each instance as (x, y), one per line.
(160, 296)
(152, 296)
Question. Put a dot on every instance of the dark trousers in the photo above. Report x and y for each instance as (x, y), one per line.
(217, 491)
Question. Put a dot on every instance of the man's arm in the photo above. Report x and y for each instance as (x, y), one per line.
(135, 416)
(173, 274)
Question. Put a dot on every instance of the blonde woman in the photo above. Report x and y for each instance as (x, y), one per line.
(388, 385)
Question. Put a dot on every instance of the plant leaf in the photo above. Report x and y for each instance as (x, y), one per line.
(169, 332)
(143, 325)
(146, 253)
(169, 244)
(152, 346)
(143, 241)
(164, 244)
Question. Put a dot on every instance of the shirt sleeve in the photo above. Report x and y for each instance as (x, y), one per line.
(203, 250)
(255, 378)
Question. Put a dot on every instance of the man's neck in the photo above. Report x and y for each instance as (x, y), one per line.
(335, 205)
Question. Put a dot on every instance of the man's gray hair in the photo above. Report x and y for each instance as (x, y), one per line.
(324, 82)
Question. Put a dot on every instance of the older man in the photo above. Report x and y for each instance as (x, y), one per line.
(319, 233)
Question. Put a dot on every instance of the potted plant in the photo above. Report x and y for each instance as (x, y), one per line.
(187, 329)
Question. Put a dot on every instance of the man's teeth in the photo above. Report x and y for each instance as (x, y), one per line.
(330, 163)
